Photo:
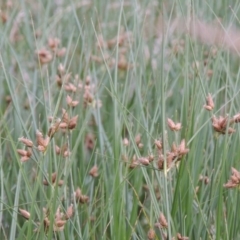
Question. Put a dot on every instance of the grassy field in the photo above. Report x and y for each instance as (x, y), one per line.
(119, 120)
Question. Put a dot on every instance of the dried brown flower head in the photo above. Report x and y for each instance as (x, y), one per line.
(90, 141)
(173, 126)
(61, 52)
(70, 87)
(80, 198)
(125, 142)
(25, 154)
(180, 237)
(69, 212)
(53, 43)
(8, 99)
(209, 103)
(68, 123)
(235, 119)
(42, 142)
(44, 56)
(162, 222)
(134, 162)
(63, 150)
(24, 213)
(138, 138)
(53, 180)
(176, 154)
(204, 179)
(150, 157)
(54, 127)
(151, 234)
(26, 141)
(158, 144)
(234, 180)
(70, 102)
(221, 125)
(143, 161)
(94, 171)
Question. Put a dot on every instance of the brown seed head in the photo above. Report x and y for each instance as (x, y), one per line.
(94, 171)
(143, 161)
(158, 144)
(209, 103)
(180, 237)
(53, 43)
(22, 152)
(69, 212)
(151, 234)
(150, 157)
(73, 122)
(70, 87)
(173, 126)
(234, 180)
(162, 220)
(138, 138)
(236, 118)
(84, 199)
(41, 141)
(61, 52)
(70, 102)
(44, 56)
(26, 141)
(125, 142)
(24, 213)
(60, 223)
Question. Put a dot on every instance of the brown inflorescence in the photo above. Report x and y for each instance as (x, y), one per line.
(209, 103)
(80, 198)
(220, 125)
(162, 222)
(53, 180)
(173, 126)
(176, 154)
(234, 180)
(42, 143)
(94, 171)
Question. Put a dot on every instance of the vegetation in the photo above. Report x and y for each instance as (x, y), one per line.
(119, 120)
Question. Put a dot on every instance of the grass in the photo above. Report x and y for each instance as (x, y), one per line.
(119, 171)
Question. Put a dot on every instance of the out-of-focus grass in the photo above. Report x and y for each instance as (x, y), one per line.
(130, 69)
